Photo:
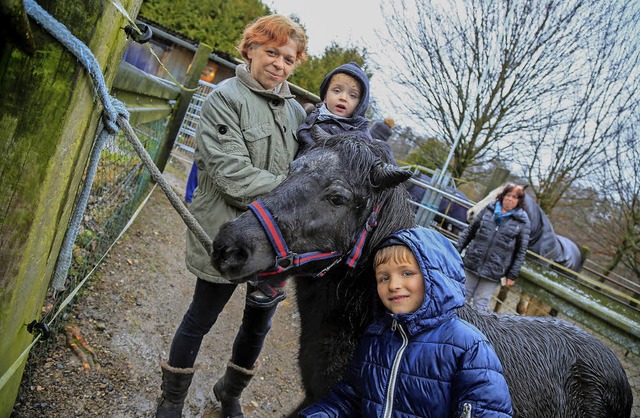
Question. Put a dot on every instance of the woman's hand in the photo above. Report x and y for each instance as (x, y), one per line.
(510, 282)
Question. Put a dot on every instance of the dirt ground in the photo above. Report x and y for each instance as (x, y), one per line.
(127, 315)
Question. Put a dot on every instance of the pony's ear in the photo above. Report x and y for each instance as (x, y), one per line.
(384, 175)
(319, 135)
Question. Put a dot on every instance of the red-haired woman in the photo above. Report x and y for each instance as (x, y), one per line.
(245, 143)
(497, 238)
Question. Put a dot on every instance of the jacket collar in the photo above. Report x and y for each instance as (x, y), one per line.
(518, 214)
(245, 77)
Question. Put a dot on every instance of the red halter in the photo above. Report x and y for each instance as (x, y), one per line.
(285, 259)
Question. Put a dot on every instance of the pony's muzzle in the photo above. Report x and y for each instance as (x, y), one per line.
(229, 259)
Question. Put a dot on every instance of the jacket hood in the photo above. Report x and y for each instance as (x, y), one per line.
(443, 272)
(356, 72)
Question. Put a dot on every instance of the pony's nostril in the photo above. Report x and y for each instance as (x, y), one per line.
(227, 258)
(235, 255)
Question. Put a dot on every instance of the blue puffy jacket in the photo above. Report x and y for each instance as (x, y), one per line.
(426, 364)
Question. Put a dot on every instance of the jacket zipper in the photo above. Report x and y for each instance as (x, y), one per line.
(491, 243)
(466, 410)
(388, 408)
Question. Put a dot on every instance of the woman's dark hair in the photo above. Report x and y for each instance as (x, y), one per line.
(519, 190)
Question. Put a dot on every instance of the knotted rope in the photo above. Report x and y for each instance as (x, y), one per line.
(114, 117)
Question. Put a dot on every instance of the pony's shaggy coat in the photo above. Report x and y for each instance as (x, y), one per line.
(553, 369)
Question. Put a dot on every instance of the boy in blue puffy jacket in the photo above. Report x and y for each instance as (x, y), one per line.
(417, 358)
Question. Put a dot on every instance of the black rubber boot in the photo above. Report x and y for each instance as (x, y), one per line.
(175, 385)
(228, 388)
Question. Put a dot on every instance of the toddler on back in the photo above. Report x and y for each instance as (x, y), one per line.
(345, 97)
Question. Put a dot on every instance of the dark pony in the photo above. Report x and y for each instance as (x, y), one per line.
(343, 189)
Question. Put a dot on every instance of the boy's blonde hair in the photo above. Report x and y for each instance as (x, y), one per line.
(396, 253)
(275, 28)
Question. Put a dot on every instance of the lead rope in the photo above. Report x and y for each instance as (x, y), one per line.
(157, 176)
(115, 116)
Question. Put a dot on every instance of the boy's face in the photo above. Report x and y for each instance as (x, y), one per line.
(400, 285)
(343, 95)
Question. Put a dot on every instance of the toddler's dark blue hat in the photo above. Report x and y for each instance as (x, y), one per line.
(354, 70)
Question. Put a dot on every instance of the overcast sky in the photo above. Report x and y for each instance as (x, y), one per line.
(347, 22)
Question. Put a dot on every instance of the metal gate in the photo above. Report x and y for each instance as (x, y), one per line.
(185, 142)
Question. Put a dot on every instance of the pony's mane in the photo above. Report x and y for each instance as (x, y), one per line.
(354, 152)
(359, 157)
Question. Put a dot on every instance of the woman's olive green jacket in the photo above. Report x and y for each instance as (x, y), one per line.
(245, 143)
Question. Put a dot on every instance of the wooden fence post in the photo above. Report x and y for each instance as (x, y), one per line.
(198, 64)
(49, 114)
(499, 176)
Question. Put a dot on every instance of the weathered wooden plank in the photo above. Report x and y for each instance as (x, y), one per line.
(49, 114)
(134, 80)
(593, 310)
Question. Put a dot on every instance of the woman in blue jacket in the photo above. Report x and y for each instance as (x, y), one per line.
(418, 359)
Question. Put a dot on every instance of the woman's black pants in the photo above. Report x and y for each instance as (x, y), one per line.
(208, 301)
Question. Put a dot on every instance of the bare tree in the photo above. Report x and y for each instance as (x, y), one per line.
(615, 225)
(480, 67)
(489, 76)
(582, 126)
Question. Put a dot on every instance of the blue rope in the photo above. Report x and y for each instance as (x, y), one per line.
(112, 109)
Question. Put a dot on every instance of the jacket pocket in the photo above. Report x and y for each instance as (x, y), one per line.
(258, 143)
(257, 132)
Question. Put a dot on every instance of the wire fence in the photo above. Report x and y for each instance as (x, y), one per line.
(120, 183)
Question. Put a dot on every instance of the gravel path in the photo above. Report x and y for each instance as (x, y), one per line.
(128, 313)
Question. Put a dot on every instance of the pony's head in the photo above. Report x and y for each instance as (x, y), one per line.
(332, 193)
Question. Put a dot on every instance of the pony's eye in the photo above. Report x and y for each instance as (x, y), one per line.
(337, 201)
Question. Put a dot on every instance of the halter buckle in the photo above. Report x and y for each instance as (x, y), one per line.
(286, 262)
(329, 267)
